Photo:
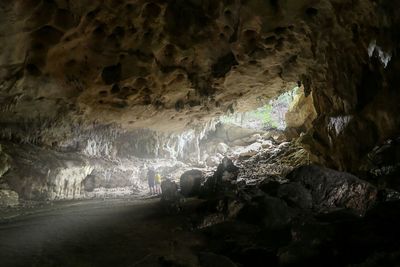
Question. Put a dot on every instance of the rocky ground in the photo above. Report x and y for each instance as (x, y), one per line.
(275, 212)
(267, 207)
(313, 217)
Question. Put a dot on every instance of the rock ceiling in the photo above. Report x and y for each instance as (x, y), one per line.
(168, 65)
(127, 61)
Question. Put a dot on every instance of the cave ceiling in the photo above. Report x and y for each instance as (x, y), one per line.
(174, 65)
(145, 63)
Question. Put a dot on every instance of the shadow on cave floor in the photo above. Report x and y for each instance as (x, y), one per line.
(100, 233)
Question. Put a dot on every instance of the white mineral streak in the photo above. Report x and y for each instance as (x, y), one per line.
(339, 123)
(385, 57)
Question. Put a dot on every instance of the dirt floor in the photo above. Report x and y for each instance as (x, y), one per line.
(99, 233)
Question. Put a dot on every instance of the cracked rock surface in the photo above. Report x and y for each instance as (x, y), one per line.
(170, 65)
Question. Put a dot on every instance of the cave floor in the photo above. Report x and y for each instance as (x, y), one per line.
(124, 232)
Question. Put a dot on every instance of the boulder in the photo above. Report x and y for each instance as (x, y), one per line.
(89, 183)
(382, 165)
(190, 183)
(169, 190)
(266, 144)
(227, 170)
(277, 136)
(250, 150)
(8, 198)
(212, 161)
(252, 139)
(211, 219)
(239, 143)
(223, 179)
(332, 189)
(222, 148)
(230, 133)
(269, 212)
(295, 195)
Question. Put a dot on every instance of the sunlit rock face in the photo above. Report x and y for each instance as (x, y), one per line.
(81, 75)
(99, 163)
(300, 116)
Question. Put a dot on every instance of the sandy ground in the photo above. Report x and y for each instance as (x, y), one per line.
(113, 233)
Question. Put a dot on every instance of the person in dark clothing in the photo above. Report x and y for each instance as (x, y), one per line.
(151, 175)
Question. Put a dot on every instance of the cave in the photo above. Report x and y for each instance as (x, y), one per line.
(199, 133)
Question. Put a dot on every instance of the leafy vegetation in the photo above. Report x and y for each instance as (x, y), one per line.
(269, 116)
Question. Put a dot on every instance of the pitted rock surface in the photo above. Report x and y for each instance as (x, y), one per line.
(171, 65)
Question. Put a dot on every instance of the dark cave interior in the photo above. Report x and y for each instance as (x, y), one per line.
(273, 127)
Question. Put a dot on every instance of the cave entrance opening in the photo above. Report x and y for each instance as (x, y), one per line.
(270, 116)
(264, 133)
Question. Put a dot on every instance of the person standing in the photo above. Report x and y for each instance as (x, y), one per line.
(151, 180)
(158, 184)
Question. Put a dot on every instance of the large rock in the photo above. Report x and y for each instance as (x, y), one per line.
(190, 182)
(295, 195)
(169, 190)
(222, 148)
(382, 165)
(222, 181)
(8, 198)
(250, 150)
(300, 115)
(276, 161)
(231, 133)
(332, 189)
(89, 183)
(213, 161)
(269, 212)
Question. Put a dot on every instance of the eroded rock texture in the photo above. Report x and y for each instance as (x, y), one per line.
(332, 190)
(96, 77)
(140, 62)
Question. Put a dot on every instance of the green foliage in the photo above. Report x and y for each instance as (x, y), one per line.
(271, 115)
(268, 119)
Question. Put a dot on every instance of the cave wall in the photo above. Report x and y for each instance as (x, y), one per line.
(300, 116)
(356, 91)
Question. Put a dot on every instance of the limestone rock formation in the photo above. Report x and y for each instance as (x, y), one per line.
(111, 79)
(8, 198)
(39, 174)
(140, 64)
(355, 92)
(332, 190)
(301, 115)
(273, 162)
